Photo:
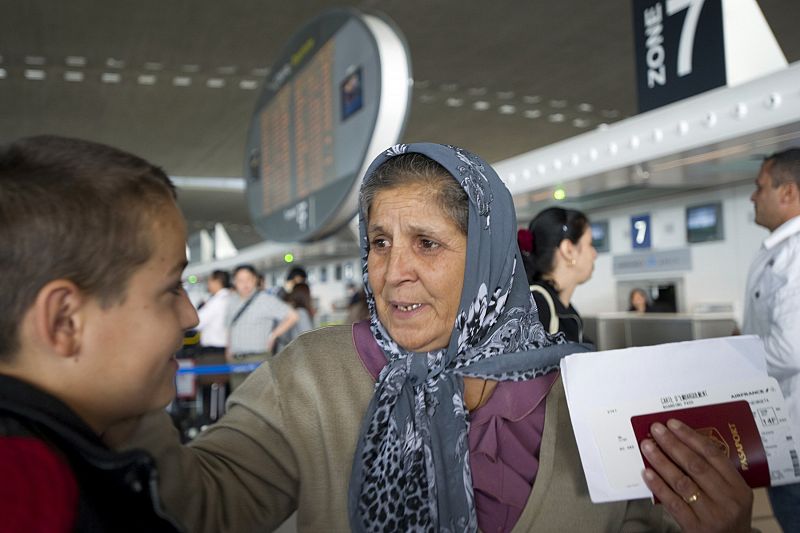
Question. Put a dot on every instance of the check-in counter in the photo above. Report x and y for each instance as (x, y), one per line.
(611, 331)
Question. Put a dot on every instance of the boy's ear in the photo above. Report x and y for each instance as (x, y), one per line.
(57, 316)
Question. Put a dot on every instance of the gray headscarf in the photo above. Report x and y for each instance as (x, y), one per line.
(411, 469)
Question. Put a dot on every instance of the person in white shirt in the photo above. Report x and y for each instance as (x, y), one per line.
(772, 300)
(255, 320)
(213, 329)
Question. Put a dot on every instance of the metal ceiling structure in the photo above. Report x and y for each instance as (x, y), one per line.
(176, 82)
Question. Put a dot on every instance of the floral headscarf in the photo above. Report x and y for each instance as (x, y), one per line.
(411, 469)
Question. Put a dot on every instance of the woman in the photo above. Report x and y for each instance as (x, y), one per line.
(639, 302)
(300, 300)
(562, 257)
(366, 427)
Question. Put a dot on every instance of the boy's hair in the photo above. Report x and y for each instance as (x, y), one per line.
(76, 210)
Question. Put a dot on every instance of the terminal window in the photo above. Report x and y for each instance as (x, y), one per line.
(704, 223)
(351, 94)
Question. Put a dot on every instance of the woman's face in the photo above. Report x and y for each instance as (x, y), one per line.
(586, 254)
(638, 301)
(416, 267)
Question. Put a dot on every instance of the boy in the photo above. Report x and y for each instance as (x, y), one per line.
(92, 246)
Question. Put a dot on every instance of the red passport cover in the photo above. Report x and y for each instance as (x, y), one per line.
(730, 425)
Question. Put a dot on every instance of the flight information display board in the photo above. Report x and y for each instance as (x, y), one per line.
(336, 98)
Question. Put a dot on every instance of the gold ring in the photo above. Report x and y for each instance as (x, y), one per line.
(691, 499)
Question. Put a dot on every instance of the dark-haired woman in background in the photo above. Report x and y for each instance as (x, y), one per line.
(300, 300)
(561, 258)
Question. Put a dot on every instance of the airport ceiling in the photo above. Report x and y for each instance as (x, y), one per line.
(547, 69)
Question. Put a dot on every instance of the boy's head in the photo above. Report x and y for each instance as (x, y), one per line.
(87, 290)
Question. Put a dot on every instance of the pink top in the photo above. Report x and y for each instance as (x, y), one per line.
(504, 439)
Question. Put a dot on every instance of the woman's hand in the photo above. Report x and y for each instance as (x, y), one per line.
(695, 481)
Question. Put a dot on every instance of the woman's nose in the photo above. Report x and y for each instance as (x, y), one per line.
(400, 266)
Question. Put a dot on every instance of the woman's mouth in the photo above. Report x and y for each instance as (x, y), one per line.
(408, 307)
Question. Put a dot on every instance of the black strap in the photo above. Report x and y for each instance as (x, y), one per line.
(243, 308)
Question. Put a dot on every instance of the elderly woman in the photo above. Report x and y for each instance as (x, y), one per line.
(443, 412)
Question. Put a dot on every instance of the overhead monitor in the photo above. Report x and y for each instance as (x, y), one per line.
(338, 95)
(704, 223)
(600, 238)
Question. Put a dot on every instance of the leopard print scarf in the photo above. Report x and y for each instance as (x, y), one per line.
(411, 468)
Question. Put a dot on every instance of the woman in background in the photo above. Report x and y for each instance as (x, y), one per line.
(300, 300)
(561, 258)
(638, 301)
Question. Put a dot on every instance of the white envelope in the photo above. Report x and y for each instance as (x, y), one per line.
(604, 389)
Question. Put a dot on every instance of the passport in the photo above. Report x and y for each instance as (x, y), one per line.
(729, 425)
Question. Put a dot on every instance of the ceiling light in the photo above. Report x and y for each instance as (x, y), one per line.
(34, 60)
(532, 113)
(557, 164)
(153, 65)
(683, 127)
(248, 85)
(531, 99)
(110, 77)
(613, 148)
(448, 87)
(575, 159)
(426, 98)
(711, 119)
(541, 169)
(75, 61)
(480, 105)
(73, 75)
(181, 81)
(593, 154)
(3, 74)
(215, 83)
(115, 63)
(507, 109)
(505, 95)
(634, 142)
(658, 135)
(556, 117)
(146, 79)
(227, 70)
(741, 110)
(580, 122)
(35, 74)
(476, 91)
(773, 101)
(558, 104)
(586, 108)
(454, 102)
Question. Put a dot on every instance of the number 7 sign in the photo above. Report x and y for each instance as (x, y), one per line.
(640, 232)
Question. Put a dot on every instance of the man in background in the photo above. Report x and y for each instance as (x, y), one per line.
(212, 327)
(255, 320)
(772, 300)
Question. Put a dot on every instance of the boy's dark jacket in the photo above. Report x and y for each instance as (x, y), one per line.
(118, 492)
